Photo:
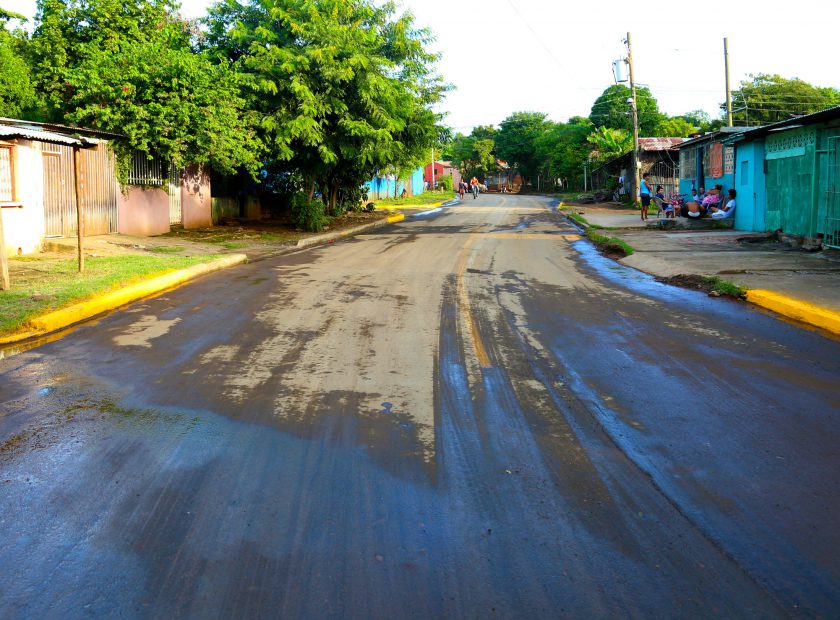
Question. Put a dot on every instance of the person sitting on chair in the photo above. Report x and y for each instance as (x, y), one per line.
(728, 209)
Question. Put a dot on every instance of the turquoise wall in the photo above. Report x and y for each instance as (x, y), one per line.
(750, 185)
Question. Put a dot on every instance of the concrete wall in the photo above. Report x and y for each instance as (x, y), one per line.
(24, 227)
(143, 211)
(196, 203)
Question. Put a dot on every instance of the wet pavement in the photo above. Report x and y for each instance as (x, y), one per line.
(468, 414)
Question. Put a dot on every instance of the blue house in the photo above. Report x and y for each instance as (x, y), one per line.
(389, 186)
(706, 161)
(788, 177)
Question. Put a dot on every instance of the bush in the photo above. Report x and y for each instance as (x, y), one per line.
(445, 183)
(308, 214)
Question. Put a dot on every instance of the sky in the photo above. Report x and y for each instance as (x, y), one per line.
(505, 56)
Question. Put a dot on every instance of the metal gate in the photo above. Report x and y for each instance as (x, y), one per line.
(174, 195)
(832, 199)
(100, 190)
(59, 191)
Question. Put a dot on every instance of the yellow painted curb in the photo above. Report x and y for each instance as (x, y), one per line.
(109, 301)
(803, 311)
(391, 219)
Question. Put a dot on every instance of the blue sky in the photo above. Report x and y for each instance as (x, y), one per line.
(555, 57)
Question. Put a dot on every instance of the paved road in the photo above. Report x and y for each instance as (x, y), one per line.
(466, 415)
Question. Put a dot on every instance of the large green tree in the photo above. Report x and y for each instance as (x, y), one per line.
(516, 142)
(608, 143)
(474, 155)
(17, 93)
(764, 99)
(563, 148)
(612, 109)
(344, 88)
(129, 67)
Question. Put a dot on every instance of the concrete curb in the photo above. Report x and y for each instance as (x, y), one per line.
(802, 311)
(326, 238)
(61, 319)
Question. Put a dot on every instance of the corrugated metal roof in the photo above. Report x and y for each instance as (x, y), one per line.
(659, 144)
(9, 132)
(806, 119)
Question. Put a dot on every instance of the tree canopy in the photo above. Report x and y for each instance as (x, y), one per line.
(764, 99)
(612, 109)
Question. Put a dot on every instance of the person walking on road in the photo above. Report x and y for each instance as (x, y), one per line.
(462, 189)
(474, 185)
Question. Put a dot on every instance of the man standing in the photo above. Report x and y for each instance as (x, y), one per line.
(474, 187)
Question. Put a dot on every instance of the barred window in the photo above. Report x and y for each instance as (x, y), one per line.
(729, 160)
(145, 171)
(688, 163)
(7, 177)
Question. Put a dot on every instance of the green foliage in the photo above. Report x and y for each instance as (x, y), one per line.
(446, 184)
(609, 245)
(308, 213)
(516, 141)
(473, 155)
(612, 110)
(700, 120)
(17, 92)
(166, 101)
(764, 99)
(563, 148)
(725, 287)
(676, 127)
(609, 143)
(343, 88)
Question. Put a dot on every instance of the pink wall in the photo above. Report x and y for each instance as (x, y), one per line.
(196, 207)
(144, 211)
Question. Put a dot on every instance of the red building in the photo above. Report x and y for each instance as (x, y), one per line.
(442, 168)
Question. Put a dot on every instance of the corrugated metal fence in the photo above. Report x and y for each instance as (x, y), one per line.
(100, 190)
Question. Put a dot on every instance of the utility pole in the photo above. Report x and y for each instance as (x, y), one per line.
(635, 111)
(728, 90)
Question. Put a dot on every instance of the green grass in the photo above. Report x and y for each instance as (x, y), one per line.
(423, 199)
(609, 244)
(167, 249)
(725, 287)
(577, 217)
(42, 285)
(230, 245)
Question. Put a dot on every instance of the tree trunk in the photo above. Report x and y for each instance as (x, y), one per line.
(311, 188)
(333, 198)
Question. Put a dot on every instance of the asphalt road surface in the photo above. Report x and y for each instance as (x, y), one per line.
(470, 414)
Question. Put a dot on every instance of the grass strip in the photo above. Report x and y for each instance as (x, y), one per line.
(423, 199)
(610, 245)
(43, 285)
(725, 287)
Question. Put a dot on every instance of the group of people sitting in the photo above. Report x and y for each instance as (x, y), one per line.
(701, 204)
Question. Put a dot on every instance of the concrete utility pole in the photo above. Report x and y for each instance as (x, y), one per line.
(635, 111)
(433, 170)
(728, 90)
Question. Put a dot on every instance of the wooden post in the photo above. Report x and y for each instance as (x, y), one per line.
(80, 216)
(4, 260)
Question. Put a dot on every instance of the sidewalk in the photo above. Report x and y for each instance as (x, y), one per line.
(801, 285)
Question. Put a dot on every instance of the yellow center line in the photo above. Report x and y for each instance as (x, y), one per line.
(466, 309)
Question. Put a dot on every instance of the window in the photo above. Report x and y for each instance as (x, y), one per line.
(7, 175)
(688, 163)
(745, 172)
(729, 160)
